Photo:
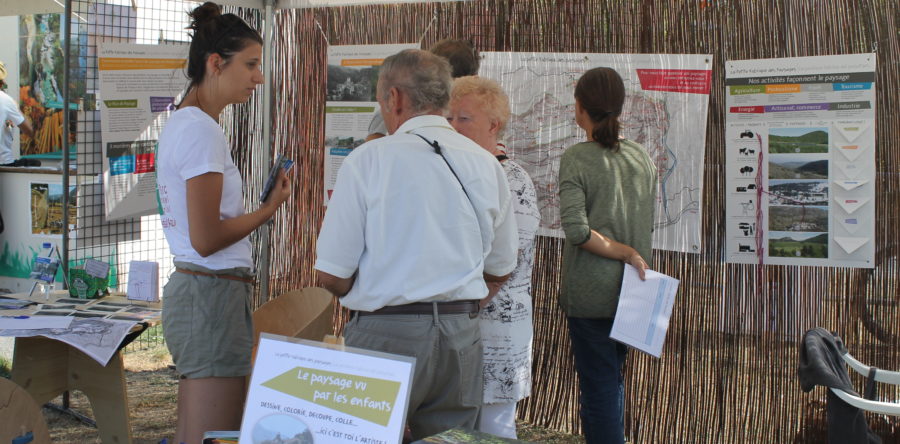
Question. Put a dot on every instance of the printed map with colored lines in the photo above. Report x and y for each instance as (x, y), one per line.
(670, 124)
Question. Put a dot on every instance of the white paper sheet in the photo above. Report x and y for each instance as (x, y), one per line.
(851, 244)
(850, 185)
(97, 338)
(96, 268)
(642, 318)
(34, 322)
(851, 204)
(143, 281)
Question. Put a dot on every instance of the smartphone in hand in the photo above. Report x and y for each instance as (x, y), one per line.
(281, 163)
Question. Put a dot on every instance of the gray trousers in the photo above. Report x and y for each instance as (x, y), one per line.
(448, 382)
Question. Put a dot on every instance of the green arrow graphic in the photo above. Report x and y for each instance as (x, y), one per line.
(371, 399)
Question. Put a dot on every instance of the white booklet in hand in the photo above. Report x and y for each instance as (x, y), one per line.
(642, 318)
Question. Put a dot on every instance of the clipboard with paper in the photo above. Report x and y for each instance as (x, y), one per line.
(642, 317)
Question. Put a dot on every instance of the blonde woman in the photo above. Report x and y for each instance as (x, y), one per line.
(479, 110)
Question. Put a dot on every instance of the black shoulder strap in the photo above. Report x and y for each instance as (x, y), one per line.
(437, 149)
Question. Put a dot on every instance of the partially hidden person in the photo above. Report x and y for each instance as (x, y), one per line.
(464, 61)
(479, 110)
(607, 196)
(10, 119)
(206, 306)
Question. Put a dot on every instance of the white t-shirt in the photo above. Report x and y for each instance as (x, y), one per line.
(8, 111)
(191, 144)
(399, 219)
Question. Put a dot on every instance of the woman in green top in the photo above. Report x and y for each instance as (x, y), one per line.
(607, 191)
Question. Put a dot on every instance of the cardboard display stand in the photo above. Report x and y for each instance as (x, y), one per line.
(314, 392)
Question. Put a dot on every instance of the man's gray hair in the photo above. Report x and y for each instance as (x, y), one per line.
(423, 76)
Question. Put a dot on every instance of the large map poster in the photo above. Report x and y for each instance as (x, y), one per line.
(800, 161)
(667, 97)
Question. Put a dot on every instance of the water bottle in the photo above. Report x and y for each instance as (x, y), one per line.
(47, 288)
(48, 273)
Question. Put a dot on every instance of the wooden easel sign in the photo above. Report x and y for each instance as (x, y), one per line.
(313, 392)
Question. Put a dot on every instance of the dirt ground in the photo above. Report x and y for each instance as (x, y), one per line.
(152, 389)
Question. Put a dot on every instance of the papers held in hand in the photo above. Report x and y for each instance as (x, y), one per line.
(281, 163)
(642, 318)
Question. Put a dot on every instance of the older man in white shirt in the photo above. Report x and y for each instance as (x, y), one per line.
(419, 223)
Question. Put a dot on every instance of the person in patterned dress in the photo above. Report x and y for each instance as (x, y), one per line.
(479, 110)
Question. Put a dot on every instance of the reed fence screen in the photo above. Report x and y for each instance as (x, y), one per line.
(728, 372)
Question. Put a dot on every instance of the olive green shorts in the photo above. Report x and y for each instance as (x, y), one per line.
(207, 322)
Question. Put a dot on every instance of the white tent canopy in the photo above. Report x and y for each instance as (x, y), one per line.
(23, 7)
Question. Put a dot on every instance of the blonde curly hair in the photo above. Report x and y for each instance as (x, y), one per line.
(488, 93)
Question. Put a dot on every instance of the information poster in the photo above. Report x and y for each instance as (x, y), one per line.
(303, 391)
(47, 208)
(667, 97)
(139, 85)
(350, 100)
(800, 161)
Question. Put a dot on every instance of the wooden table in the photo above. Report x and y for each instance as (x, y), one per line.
(46, 368)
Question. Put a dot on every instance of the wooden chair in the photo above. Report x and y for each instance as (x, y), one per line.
(19, 415)
(306, 313)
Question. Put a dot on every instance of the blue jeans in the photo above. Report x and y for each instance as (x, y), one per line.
(599, 362)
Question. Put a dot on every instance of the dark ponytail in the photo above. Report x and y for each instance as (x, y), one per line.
(215, 33)
(601, 93)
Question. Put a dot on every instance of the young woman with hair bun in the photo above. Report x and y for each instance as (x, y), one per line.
(206, 306)
(607, 196)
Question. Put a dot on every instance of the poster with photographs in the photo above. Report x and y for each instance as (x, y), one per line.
(47, 208)
(351, 104)
(139, 87)
(800, 161)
